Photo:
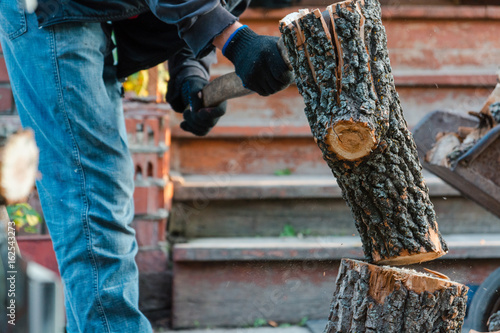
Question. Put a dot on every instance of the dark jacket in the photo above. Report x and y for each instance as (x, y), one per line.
(161, 29)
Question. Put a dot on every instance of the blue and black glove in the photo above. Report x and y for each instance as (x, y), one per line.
(197, 119)
(257, 61)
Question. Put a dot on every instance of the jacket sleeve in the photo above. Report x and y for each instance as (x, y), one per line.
(182, 65)
(198, 21)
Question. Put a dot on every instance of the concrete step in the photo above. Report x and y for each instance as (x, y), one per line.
(232, 205)
(234, 282)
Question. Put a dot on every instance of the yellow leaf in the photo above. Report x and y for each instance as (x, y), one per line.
(19, 222)
(32, 220)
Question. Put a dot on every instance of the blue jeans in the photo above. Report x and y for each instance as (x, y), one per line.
(65, 88)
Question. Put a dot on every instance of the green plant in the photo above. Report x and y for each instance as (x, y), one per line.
(288, 231)
(303, 321)
(283, 172)
(259, 322)
(25, 217)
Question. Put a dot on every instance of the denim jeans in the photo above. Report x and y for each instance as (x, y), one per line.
(65, 88)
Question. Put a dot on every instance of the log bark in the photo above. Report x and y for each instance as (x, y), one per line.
(494, 322)
(343, 72)
(371, 299)
(18, 167)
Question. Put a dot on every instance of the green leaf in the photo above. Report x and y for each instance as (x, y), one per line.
(283, 172)
(259, 322)
(30, 229)
(303, 321)
(19, 222)
(288, 231)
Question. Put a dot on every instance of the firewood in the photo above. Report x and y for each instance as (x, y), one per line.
(462, 133)
(343, 72)
(371, 299)
(18, 167)
(447, 153)
(438, 155)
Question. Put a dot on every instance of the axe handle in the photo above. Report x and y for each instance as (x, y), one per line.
(230, 86)
(223, 88)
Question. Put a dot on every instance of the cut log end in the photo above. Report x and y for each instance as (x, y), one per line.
(351, 140)
(372, 298)
(411, 259)
(19, 167)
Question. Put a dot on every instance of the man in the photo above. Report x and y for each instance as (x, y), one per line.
(66, 89)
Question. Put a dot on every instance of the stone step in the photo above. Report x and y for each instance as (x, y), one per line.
(234, 282)
(232, 205)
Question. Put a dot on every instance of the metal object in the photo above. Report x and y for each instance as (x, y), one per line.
(477, 173)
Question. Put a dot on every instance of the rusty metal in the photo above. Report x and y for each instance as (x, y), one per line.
(477, 173)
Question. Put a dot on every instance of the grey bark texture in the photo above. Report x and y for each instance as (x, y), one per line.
(344, 75)
(494, 322)
(409, 302)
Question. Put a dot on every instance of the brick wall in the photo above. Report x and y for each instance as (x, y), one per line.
(6, 102)
(148, 132)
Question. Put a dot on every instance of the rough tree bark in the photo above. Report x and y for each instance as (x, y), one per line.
(18, 167)
(343, 72)
(371, 298)
(494, 322)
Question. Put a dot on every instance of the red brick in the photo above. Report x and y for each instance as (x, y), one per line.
(148, 232)
(151, 261)
(168, 194)
(150, 165)
(5, 99)
(148, 200)
(4, 77)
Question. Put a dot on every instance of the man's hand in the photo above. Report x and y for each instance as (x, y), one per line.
(197, 120)
(257, 61)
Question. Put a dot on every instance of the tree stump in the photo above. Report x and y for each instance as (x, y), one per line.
(18, 167)
(343, 72)
(371, 298)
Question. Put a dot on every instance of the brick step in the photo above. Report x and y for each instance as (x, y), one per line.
(287, 279)
(231, 205)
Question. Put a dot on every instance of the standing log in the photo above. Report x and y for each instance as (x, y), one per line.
(343, 72)
(371, 299)
(18, 167)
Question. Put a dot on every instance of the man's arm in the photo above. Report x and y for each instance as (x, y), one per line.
(198, 21)
(220, 40)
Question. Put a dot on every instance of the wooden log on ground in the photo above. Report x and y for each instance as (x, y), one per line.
(380, 299)
(18, 167)
(343, 72)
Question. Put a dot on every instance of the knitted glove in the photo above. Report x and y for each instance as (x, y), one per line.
(198, 120)
(257, 61)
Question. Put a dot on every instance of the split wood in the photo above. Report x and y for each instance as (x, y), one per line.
(18, 167)
(343, 72)
(449, 147)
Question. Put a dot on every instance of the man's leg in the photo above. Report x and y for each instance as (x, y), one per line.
(65, 89)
